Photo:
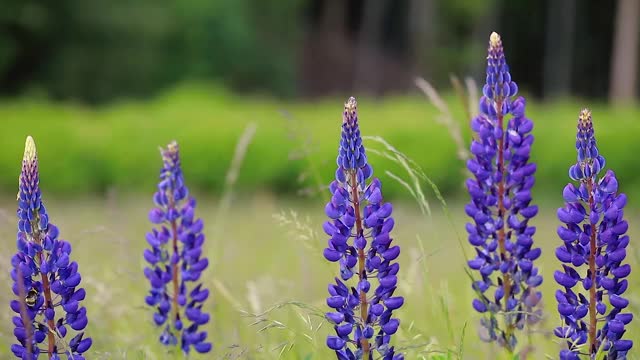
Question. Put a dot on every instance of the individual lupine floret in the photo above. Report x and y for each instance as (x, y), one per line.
(175, 261)
(592, 254)
(501, 207)
(362, 320)
(50, 319)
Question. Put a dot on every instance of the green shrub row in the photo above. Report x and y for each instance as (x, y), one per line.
(84, 151)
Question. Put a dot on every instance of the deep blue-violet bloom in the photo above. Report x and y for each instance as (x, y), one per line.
(593, 275)
(500, 207)
(49, 319)
(360, 241)
(176, 262)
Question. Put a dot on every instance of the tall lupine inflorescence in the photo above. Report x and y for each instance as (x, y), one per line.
(501, 207)
(592, 255)
(360, 242)
(176, 262)
(49, 318)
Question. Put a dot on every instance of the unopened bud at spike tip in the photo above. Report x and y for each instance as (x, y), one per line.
(585, 116)
(494, 39)
(350, 111)
(30, 153)
(170, 153)
(28, 180)
(351, 104)
(172, 146)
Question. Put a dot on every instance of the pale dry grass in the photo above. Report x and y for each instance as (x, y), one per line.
(268, 279)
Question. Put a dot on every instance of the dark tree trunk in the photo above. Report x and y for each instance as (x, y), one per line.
(421, 36)
(368, 65)
(558, 52)
(624, 62)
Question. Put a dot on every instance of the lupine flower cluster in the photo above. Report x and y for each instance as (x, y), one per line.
(360, 241)
(592, 255)
(175, 261)
(50, 318)
(501, 206)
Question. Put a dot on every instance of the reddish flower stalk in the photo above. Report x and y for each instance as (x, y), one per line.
(504, 256)
(592, 269)
(46, 289)
(48, 305)
(22, 294)
(174, 267)
(364, 308)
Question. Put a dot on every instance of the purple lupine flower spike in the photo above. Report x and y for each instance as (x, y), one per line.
(50, 319)
(594, 239)
(501, 207)
(176, 262)
(360, 242)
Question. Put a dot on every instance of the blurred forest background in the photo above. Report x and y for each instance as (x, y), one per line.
(199, 71)
(96, 51)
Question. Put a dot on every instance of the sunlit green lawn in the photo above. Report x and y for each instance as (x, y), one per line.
(258, 262)
(92, 150)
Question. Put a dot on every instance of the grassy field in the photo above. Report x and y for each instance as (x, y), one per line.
(266, 251)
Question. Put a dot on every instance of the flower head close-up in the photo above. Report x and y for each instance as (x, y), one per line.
(360, 242)
(50, 319)
(176, 261)
(501, 207)
(593, 277)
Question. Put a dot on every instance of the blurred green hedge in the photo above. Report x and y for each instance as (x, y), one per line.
(86, 151)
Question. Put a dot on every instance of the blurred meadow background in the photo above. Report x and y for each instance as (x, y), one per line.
(253, 92)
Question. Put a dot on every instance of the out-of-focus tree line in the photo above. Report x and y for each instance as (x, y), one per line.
(100, 50)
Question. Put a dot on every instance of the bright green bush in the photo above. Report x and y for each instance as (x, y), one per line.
(89, 151)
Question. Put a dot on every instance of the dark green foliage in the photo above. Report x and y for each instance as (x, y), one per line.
(96, 51)
(99, 50)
